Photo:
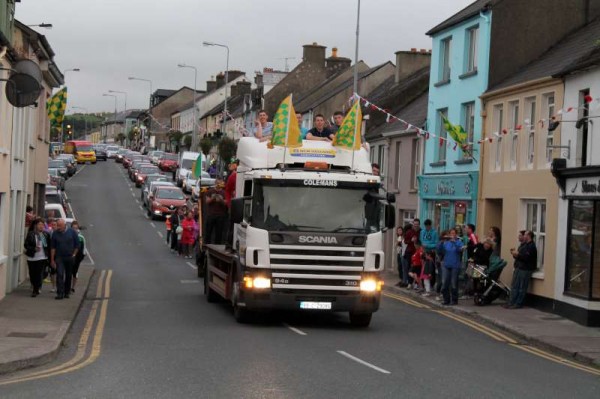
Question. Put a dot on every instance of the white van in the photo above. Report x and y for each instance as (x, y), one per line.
(186, 160)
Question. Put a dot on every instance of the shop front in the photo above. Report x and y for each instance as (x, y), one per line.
(578, 284)
(449, 200)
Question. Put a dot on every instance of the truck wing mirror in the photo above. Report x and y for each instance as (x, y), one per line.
(390, 216)
(237, 210)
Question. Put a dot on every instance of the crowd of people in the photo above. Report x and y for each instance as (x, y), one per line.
(54, 253)
(323, 130)
(435, 264)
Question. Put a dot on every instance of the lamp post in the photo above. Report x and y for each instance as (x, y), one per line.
(85, 119)
(149, 100)
(355, 85)
(194, 132)
(207, 44)
(115, 119)
(121, 92)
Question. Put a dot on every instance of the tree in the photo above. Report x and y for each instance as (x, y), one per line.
(187, 141)
(120, 138)
(227, 148)
(206, 145)
(131, 135)
(174, 137)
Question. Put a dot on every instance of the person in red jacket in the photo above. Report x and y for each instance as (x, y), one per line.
(187, 236)
(231, 180)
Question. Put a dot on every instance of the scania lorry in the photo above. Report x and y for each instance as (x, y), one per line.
(308, 233)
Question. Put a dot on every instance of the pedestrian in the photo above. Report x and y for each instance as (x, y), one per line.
(495, 235)
(472, 240)
(428, 271)
(80, 253)
(262, 127)
(320, 132)
(51, 227)
(37, 250)
(451, 247)
(187, 235)
(168, 226)
(481, 257)
(429, 236)
(525, 264)
(29, 216)
(216, 214)
(64, 248)
(176, 229)
(400, 248)
(416, 266)
(410, 236)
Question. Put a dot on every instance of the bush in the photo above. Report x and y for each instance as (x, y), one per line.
(227, 148)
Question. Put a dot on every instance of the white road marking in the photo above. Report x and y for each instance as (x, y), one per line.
(145, 214)
(133, 194)
(294, 329)
(160, 234)
(152, 224)
(190, 281)
(137, 201)
(357, 360)
(192, 266)
(89, 256)
(141, 209)
(130, 189)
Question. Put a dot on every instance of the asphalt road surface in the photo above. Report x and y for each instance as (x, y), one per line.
(153, 335)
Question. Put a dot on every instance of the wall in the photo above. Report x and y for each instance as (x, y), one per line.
(504, 187)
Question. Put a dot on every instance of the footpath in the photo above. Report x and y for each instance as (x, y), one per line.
(545, 330)
(32, 330)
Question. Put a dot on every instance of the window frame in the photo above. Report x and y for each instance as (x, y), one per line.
(416, 163)
(469, 125)
(550, 109)
(472, 53)
(499, 119)
(441, 151)
(531, 104)
(397, 165)
(514, 122)
(445, 69)
(541, 210)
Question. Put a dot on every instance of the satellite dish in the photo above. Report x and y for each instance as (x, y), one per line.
(24, 85)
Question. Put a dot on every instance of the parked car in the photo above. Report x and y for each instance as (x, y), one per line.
(55, 196)
(152, 191)
(165, 201)
(130, 158)
(135, 167)
(59, 165)
(155, 156)
(186, 162)
(55, 179)
(70, 162)
(56, 211)
(146, 186)
(111, 151)
(168, 162)
(204, 182)
(120, 155)
(143, 172)
(100, 151)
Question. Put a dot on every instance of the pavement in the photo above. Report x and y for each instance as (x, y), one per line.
(32, 330)
(542, 329)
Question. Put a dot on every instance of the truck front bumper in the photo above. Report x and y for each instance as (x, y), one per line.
(263, 300)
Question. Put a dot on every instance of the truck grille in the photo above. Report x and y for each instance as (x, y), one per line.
(316, 268)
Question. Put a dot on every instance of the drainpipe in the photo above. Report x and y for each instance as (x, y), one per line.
(482, 15)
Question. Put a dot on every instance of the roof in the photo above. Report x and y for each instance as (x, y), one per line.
(575, 51)
(233, 103)
(121, 116)
(164, 92)
(414, 113)
(469, 11)
(329, 92)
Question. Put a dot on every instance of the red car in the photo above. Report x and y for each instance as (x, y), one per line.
(166, 201)
(168, 162)
(143, 172)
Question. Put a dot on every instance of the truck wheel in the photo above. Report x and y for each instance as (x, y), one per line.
(211, 296)
(241, 314)
(360, 319)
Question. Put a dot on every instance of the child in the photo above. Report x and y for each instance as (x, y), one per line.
(416, 265)
(428, 271)
(168, 223)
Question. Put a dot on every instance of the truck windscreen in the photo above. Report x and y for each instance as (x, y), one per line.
(314, 206)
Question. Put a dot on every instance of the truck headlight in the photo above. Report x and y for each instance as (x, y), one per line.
(370, 285)
(257, 282)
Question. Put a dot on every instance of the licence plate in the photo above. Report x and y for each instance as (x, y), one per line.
(315, 305)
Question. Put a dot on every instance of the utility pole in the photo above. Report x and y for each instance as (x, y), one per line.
(355, 85)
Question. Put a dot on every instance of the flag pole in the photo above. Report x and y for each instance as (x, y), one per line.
(354, 133)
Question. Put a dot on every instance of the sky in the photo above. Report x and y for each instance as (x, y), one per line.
(110, 40)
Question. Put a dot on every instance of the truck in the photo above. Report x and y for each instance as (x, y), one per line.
(308, 230)
(185, 162)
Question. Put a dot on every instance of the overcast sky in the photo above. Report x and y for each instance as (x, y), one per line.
(113, 39)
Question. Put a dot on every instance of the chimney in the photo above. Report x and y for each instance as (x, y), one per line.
(258, 79)
(220, 80)
(232, 75)
(211, 85)
(233, 90)
(244, 87)
(409, 62)
(334, 64)
(314, 53)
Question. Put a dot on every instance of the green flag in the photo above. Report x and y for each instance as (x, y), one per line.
(197, 167)
(56, 107)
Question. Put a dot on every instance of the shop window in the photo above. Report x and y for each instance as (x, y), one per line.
(583, 249)
(498, 123)
(549, 135)
(536, 222)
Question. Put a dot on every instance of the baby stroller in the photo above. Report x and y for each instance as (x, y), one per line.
(486, 284)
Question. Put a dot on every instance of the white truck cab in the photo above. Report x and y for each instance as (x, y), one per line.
(186, 160)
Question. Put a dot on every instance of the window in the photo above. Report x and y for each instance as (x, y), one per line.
(397, 165)
(536, 222)
(530, 124)
(550, 135)
(499, 120)
(472, 42)
(381, 161)
(445, 59)
(469, 125)
(408, 217)
(514, 127)
(415, 164)
(443, 134)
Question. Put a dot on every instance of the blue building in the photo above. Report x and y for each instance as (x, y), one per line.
(459, 75)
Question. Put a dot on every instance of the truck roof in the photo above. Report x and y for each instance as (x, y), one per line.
(254, 154)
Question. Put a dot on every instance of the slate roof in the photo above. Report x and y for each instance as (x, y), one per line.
(469, 11)
(121, 116)
(233, 104)
(577, 50)
(414, 113)
(164, 92)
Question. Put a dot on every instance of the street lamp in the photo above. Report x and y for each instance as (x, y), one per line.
(208, 44)
(85, 119)
(42, 25)
(149, 102)
(194, 138)
(115, 97)
(121, 92)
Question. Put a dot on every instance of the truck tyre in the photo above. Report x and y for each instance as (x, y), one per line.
(211, 296)
(360, 319)
(241, 314)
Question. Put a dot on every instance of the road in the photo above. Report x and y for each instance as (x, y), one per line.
(161, 339)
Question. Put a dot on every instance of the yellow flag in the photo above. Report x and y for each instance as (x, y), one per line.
(286, 131)
(348, 135)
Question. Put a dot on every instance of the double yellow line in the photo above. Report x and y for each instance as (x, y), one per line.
(496, 335)
(81, 358)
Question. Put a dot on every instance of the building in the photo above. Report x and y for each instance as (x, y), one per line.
(24, 144)
(577, 172)
(475, 49)
(121, 123)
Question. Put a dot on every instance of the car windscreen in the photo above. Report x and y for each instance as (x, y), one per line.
(53, 198)
(174, 194)
(53, 172)
(147, 170)
(112, 148)
(280, 205)
(187, 163)
(170, 157)
(84, 148)
(59, 164)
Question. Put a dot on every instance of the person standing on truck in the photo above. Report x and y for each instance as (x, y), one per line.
(262, 128)
(216, 213)
(229, 195)
(338, 118)
(303, 130)
(320, 132)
